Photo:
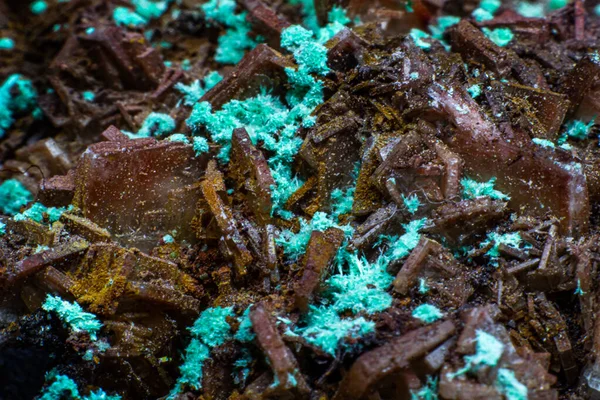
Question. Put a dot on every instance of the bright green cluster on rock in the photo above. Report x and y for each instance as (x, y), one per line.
(17, 97)
(73, 315)
(64, 387)
(155, 124)
(236, 39)
(472, 189)
(145, 11)
(210, 330)
(37, 211)
(269, 122)
(193, 92)
(427, 313)
(13, 196)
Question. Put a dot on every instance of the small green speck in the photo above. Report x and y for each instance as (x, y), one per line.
(168, 239)
(245, 334)
(90, 30)
(338, 15)
(427, 313)
(326, 330)
(150, 9)
(200, 145)
(490, 6)
(481, 15)
(509, 386)
(40, 248)
(566, 146)
(125, 17)
(474, 91)
(543, 142)
(88, 95)
(488, 351)
(486, 10)
(38, 7)
(576, 129)
(195, 90)
(511, 239)
(578, 290)
(530, 10)
(178, 137)
(429, 391)
(500, 36)
(7, 44)
(556, 4)
(419, 36)
(443, 23)
(423, 287)
(155, 124)
(473, 189)
(411, 203)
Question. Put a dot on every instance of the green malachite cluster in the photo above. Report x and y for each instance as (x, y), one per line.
(210, 330)
(472, 189)
(155, 124)
(429, 391)
(72, 314)
(64, 387)
(13, 196)
(17, 97)
(36, 213)
(144, 12)
(193, 92)
(511, 239)
(237, 38)
(427, 313)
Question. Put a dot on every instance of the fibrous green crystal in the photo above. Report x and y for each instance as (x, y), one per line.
(73, 315)
(427, 313)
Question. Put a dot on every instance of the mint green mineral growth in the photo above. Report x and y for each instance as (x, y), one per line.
(72, 314)
(500, 36)
(13, 196)
(429, 391)
(17, 96)
(156, 124)
(63, 388)
(7, 43)
(488, 351)
(211, 329)
(511, 239)
(427, 313)
(486, 10)
(508, 384)
(237, 38)
(472, 189)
